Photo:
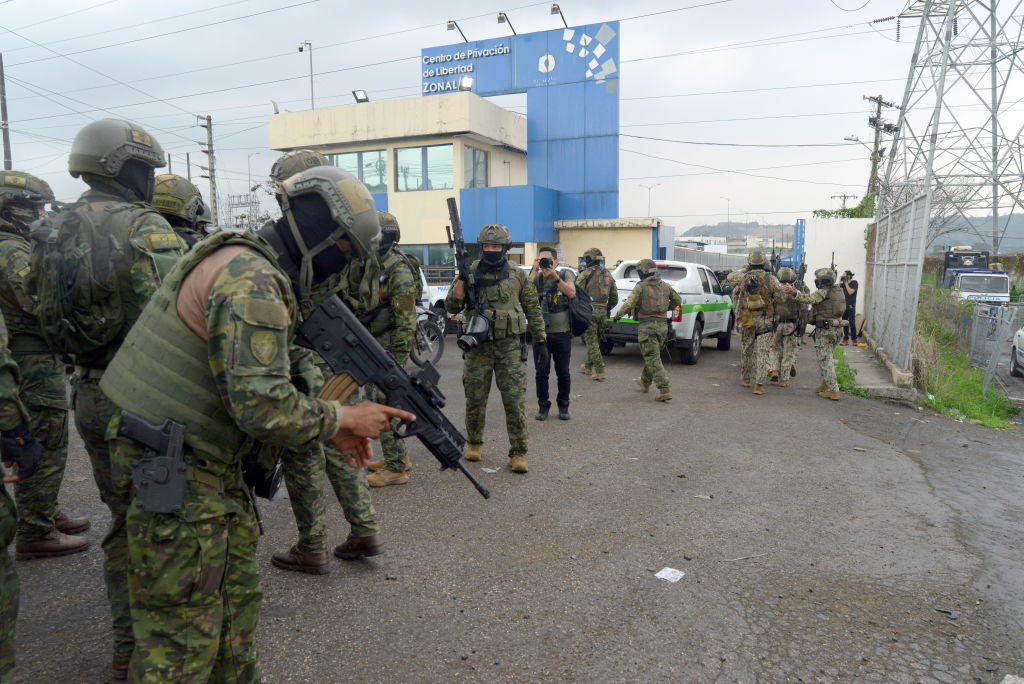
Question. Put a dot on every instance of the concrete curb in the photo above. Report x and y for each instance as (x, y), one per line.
(901, 378)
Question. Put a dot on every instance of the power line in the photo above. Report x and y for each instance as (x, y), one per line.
(761, 90)
(61, 16)
(726, 144)
(677, 9)
(757, 168)
(740, 118)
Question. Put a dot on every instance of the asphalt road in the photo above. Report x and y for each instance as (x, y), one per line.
(820, 540)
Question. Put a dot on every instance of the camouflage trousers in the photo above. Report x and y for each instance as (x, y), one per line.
(43, 392)
(651, 335)
(392, 447)
(305, 478)
(8, 587)
(593, 335)
(93, 412)
(825, 341)
(784, 347)
(756, 363)
(502, 360)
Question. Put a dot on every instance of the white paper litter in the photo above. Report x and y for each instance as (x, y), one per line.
(490, 470)
(670, 574)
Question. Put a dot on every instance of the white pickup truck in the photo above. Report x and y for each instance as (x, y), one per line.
(706, 310)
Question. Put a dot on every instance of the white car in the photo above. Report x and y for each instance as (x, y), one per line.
(1017, 355)
(706, 311)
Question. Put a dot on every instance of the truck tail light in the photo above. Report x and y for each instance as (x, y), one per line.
(677, 315)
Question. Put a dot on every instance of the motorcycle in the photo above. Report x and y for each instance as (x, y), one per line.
(428, 340)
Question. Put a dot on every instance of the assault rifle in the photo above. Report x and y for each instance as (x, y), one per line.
(335, 333)
(477, 327)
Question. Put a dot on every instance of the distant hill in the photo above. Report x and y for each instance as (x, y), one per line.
(738, 230)
(1013, 241)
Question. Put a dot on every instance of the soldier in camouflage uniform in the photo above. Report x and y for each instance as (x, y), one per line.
(756, 293)
(393, 323)
(13, 419)
(116, 159)
(788, 313)
(213, 350)
(600, 285)
(182, 205)
(510, 302)
(43, 531)
(649, 302)
(828, 304)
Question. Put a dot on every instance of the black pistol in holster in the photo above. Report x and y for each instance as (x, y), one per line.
(159, 476)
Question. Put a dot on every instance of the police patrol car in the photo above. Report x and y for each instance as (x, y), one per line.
(706, 310)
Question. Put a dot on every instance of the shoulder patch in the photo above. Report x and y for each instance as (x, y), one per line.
(263, 345)
(161, 242)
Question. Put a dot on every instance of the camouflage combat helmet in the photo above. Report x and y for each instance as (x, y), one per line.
(786, 275)
(494, 234)
(22, 195)
(291, 163)
(825, 275)
(646, 267)
(593, 254)
(102, 148)
(177, 196)
(757, 258)
(389, 225)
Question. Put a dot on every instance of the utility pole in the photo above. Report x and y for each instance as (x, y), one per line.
(845, 197)
(8, 164)
(212, 164)
(188, 167)
(881, 126)
(170, 166)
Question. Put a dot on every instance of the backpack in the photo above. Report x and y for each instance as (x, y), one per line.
(756, 303)
(581, 311)
(74, 276)
(653, 297)
(415, 266)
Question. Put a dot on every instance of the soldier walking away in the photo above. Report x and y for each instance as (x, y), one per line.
(508, 301)
(393, 323)
(131, 247)
(17, 446)
(182, 205)
(213, 352)
(827, 307)
(756, 293)
(600, 285)
(788, 316)
(651, 300)
(554, 291)
(43, 530)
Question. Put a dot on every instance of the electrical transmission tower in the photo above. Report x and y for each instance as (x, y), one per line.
(957, 142)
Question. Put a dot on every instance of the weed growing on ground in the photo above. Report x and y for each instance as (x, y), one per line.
(847, 376)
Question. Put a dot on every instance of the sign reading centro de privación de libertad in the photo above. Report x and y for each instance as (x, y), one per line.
(511, 64)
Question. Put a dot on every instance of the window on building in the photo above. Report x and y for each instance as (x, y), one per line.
(425, 168)
(475, 168)
(370, 166)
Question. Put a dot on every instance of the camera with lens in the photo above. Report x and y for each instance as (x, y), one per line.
(546, 262)
(476, 330)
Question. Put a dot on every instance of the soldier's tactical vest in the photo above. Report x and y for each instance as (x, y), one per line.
(500, 296)
(787, 308)
(598, 283)
(26, 335)
(654, 296)
(833, 306)
(162, 369)
(753, 307)
(380, 319)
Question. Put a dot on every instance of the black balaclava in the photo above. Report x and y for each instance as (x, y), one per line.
(492, 260)
(139, 178)
(315, 222)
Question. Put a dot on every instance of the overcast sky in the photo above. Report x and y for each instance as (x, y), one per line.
(783, 78)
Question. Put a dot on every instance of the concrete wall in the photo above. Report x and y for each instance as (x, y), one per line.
(617, 244)
(846, 238)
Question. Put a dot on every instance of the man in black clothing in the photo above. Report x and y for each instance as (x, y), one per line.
(554, 291)
(850, 287)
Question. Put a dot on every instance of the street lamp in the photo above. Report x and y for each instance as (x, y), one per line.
(649, 188)
(555, 9)
(466, 83)
(454, 26)
(307, 44)
(728, 212)
(503, 19)
(360, 96)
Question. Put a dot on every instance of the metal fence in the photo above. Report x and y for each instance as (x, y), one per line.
(713, 260)
(991, 330)
(894, 262)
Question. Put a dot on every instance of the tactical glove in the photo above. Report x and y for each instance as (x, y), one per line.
(19, 447)
(541, 354)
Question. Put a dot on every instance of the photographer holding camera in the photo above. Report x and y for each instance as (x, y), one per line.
(554, 292)
(849, 286)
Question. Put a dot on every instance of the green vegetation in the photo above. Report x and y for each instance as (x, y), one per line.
(847, 376)
(866, 209)
(949, 383)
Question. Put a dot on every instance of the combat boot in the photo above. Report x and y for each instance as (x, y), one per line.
(784, 383)
(792, 371)
(355, 547)
(822, 387)
(517, 464)
(643, 387)
(379, 464)
(774, 377)
(834, 396)
(55, 543)
(309, 562)
(758, 388)
(563, 413)
(119, 670)
(68, 525)
(542, 413)
(473, 452)
(383, 478)
(599, 377)
(746, 383)
(664, 396)
(585, 369)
